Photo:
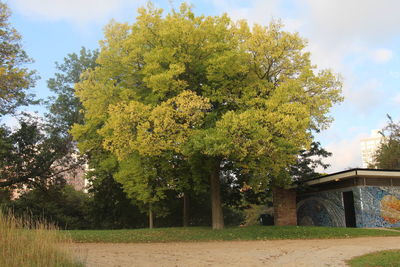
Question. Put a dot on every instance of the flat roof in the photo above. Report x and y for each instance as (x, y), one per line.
(358, 172)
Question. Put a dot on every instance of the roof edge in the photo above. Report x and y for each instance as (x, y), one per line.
(351, 173)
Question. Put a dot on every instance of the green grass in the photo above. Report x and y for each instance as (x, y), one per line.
(207, 234)
(386, 258)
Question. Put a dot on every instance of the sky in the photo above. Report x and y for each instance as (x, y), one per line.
(358, 39)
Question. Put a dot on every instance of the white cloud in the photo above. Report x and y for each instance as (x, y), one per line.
(382, 55)
(256, 11)
(10, 121)
(363, 97)
(76, 11)
(357, 19)
(345, 154)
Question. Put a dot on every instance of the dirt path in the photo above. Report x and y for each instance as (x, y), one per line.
(321, 252)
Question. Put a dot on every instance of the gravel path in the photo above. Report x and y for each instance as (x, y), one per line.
(316, 252)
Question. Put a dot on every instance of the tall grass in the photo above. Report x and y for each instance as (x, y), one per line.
(24, 242)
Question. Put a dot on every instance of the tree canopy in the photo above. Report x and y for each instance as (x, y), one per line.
(15, 79)
(32, 156)
(387, 156)
(204, 88)
(65, 107)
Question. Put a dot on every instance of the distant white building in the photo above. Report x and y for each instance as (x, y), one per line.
(369, 146)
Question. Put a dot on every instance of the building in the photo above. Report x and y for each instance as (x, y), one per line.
(75, 171)
(352, 198)
(77, 179)
(369, 146)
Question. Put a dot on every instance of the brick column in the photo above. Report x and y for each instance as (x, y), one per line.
(285, 212)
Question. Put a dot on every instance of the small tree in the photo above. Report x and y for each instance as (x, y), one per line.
(387, 155)
(308, 161)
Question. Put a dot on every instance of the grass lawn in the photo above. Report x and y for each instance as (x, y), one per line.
(233, 233)
(386, 258)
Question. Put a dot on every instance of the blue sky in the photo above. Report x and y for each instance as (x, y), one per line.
(358, 39)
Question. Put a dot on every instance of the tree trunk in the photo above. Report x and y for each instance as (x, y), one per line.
(216, 208)
(185, 210)
(150, 217)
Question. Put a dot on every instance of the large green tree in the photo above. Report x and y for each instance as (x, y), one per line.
(15, 79)
(209, 88)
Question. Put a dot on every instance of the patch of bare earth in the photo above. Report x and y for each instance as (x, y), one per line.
(320, 252)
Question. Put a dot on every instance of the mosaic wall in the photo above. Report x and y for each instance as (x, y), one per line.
(374, 207)
(321, 209)
(378, 206)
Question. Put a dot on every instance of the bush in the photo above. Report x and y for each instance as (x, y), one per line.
(253, 213)
(62, 206)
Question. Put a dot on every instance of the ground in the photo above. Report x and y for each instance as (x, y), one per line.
(312, 252)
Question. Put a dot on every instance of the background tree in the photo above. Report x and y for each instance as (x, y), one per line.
(209, 88)
(387, 155)
(65, 108)
(15, 79)
(33, 157)
(42, 150)
(308, 161)
(109, 207)
(63, 206)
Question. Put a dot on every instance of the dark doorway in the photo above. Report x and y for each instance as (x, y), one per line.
(349, 212)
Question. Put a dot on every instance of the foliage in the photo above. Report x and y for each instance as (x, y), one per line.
(65, 107)
(62, 206)
(204, 87)
(254, 212)
(109, 207)
(387, 156)
(386, 258)
(25, 242)
(230, 233)
(33, 155)
(308, 161)
(41, 151)
(5, 196)
(15, 79)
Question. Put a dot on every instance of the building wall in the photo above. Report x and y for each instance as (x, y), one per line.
(369, 146)
(284, 206)
(374, 207)
(378, 206)
(321, 209)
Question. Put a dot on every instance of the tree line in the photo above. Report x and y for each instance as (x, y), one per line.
(173, 114)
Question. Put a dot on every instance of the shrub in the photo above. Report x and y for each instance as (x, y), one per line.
(62, 206)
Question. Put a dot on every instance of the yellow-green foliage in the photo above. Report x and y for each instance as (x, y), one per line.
(253, 214)
(209, 86)
(29, 243)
